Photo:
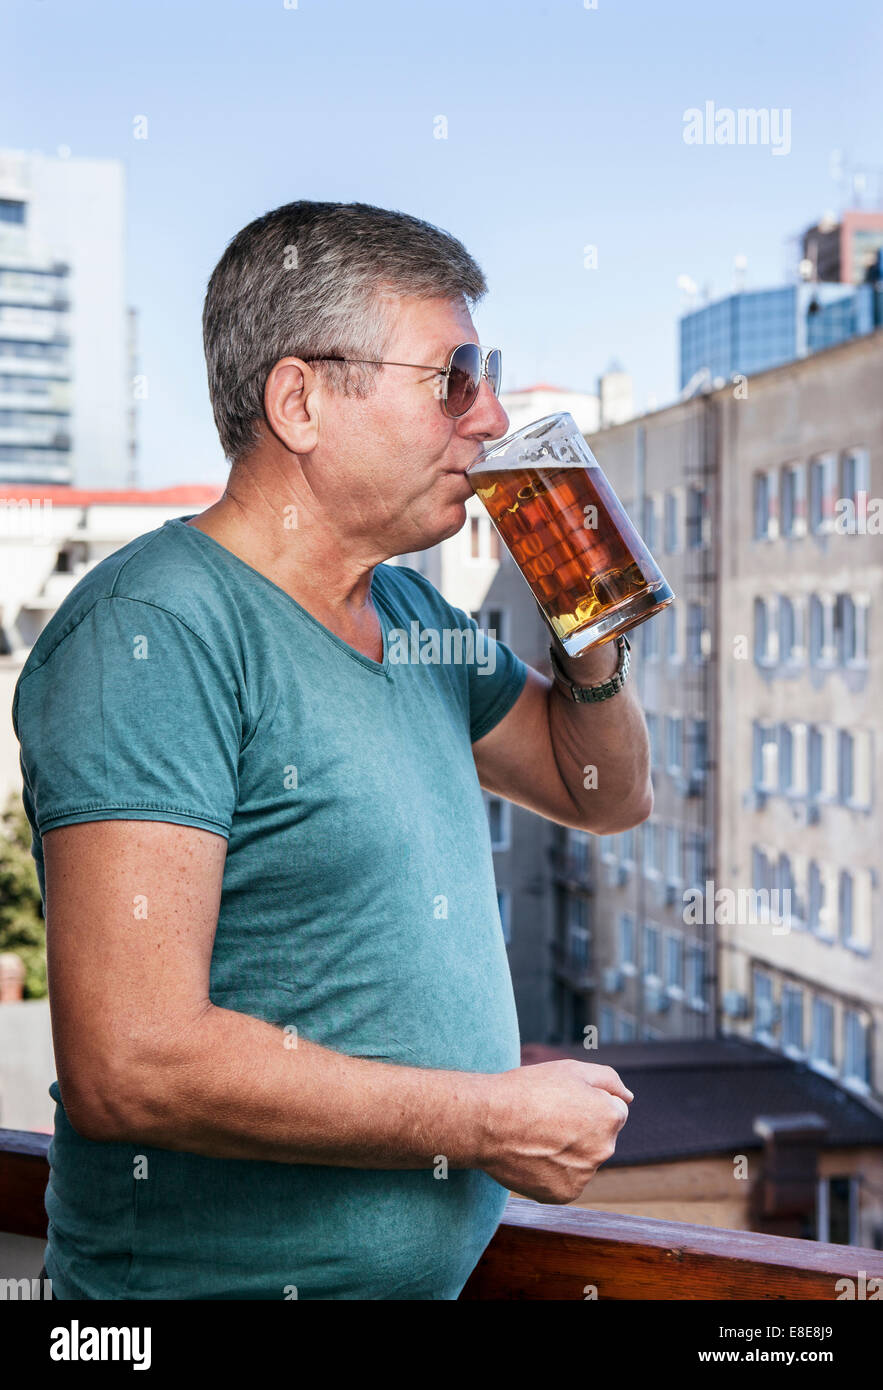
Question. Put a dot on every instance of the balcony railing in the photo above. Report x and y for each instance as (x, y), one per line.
(553, 1252)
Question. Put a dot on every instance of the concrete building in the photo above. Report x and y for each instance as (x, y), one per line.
(652, 974)
(801, 469)
(66, 344)
(49, 538)
(759, 685)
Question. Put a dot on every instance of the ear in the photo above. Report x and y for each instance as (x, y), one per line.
(291, 404)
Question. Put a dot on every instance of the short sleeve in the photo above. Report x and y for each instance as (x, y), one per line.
(496, 678)
(131, 716)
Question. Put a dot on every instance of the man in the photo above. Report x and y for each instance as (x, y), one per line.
(288, 1056)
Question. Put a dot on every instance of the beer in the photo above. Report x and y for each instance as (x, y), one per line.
(587, 567)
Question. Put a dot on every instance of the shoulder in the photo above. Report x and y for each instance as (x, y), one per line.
(154, 585)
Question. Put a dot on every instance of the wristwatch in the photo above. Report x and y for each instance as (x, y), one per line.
(589, 694)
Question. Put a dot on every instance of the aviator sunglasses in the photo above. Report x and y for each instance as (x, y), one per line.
(467, 364)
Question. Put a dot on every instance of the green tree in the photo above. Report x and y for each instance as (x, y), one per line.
(22, 927)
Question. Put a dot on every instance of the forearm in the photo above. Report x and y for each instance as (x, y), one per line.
(235, 1087)
(609, 738)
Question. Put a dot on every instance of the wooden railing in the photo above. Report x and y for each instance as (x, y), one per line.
(565, 1253)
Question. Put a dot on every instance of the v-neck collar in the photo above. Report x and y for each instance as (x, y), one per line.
(381, 667)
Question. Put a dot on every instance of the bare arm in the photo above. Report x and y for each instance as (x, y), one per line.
(145, 1057)
(537, 754)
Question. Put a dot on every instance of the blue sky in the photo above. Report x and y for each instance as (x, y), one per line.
(565, 129)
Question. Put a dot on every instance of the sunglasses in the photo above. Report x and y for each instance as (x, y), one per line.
(467, 364)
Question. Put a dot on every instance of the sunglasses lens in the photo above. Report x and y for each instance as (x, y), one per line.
(464, 378)
(495, 370)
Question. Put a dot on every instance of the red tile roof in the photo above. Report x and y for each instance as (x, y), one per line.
(188, 494)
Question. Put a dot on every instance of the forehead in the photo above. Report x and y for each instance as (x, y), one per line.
(433, 326)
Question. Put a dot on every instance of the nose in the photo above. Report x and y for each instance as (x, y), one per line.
(486, 419)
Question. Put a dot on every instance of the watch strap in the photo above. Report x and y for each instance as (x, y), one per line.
(603, 690)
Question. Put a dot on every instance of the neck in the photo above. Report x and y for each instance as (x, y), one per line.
(285, 534)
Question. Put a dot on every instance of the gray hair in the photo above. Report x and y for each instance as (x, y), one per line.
(318, 279)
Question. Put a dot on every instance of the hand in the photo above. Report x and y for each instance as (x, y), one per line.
(551, 1126)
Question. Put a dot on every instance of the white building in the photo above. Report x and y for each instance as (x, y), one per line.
(65, 334)
(48, 540)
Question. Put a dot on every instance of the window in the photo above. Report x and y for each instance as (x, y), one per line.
(697, 749)
(650, 536)
(765, 760)
(493, 621)
(821, 1048)
(851, 624)
(856, 1047)
(855, 479)
(627, 848)
(498, 818)
(822, 636)
(856, 760)
(765, 634)
(484, 541)
(822, 762)
(766, 506)
(673, 867)
(672, 626)
(503, 905)
(671, 520)
(822, 494)
(650, 638)
(577, 912)
(695, 632)
(792, 1019)
(652, 847)
(651, 950)
(794, 500)
(790, 904)
(578, 947)
(653, 732)
(605, 1030)
(855, 903)
(821, 900)
(627, 944)
(578, 853)
(674, 963)
(695, 966)
(627, 1028)
(694, 859)
(785, 758)
(695, 518)
(791, 631)
(12, 211)
(674, 726)
(793, 759)
(762, 870)
(764, 1011)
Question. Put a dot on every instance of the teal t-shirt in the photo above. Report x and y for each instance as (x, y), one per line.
(359, 905)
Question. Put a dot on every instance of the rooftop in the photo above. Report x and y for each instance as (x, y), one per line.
(701, 1097)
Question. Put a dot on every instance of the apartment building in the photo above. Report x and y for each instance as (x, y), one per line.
(67, 346)
(653, 972)
(801, 561)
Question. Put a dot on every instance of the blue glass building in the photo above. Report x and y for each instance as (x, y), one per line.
(753, 330)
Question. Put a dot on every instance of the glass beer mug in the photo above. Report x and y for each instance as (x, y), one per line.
(588, 569)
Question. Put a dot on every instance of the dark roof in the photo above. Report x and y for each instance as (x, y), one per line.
(701, 1096)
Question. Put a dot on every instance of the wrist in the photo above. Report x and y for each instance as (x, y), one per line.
(596, 664)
